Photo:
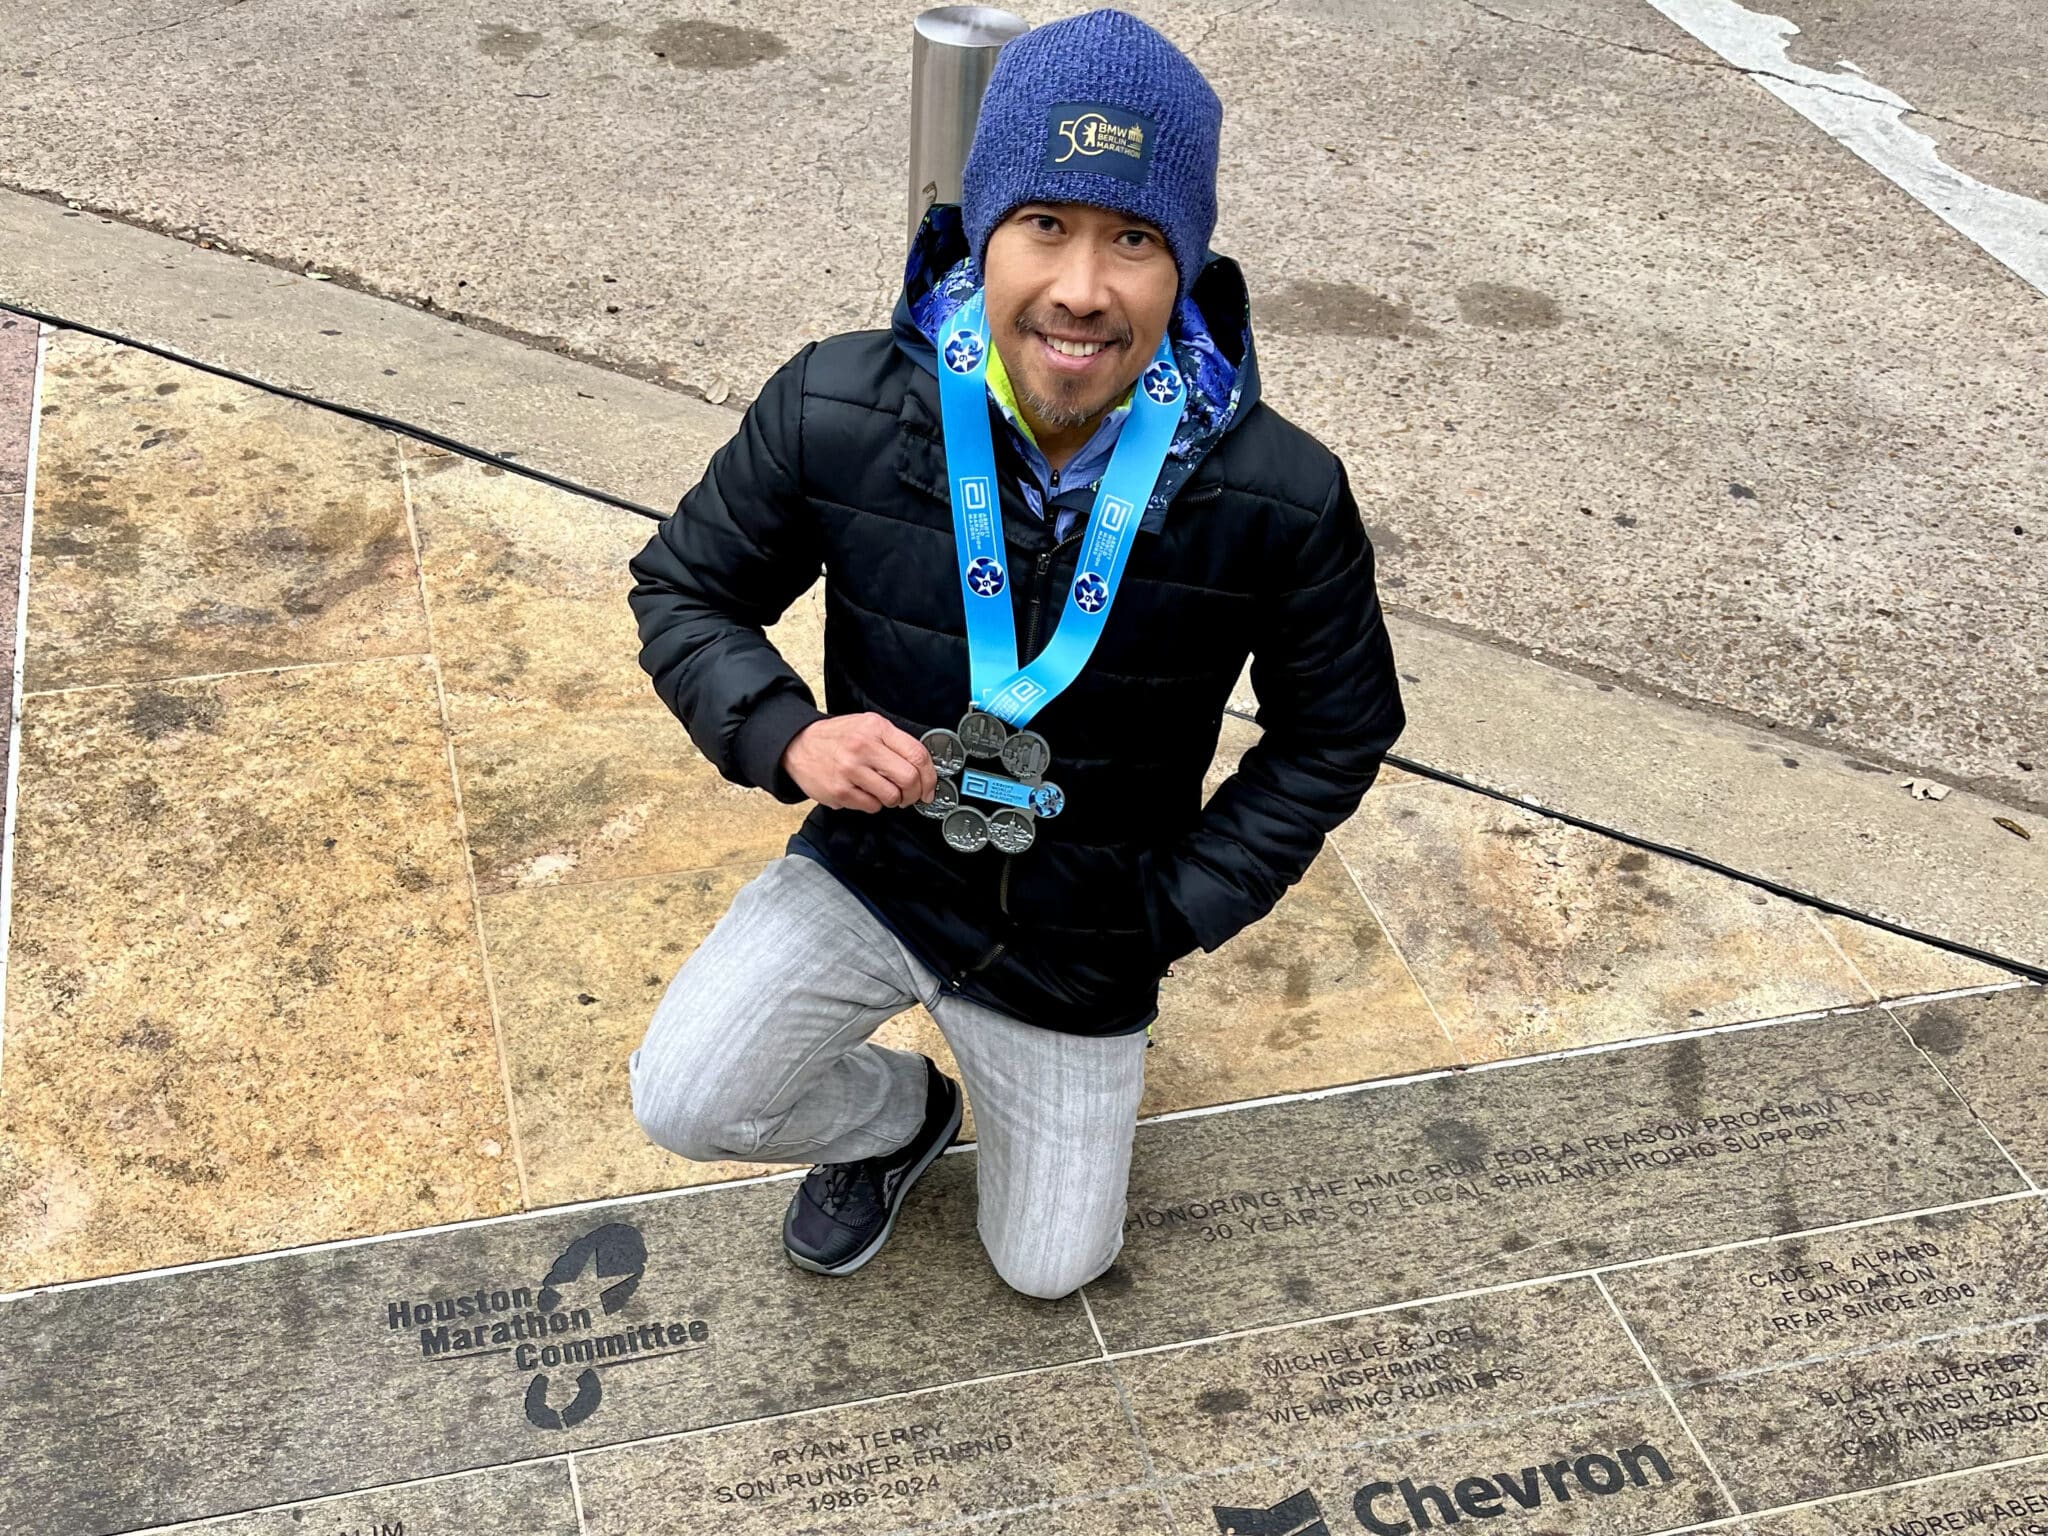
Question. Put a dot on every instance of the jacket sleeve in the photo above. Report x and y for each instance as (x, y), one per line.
(738, 550)
(1330, 709)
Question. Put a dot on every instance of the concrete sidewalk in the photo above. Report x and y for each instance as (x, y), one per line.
(1637, 369)
(1823, 821)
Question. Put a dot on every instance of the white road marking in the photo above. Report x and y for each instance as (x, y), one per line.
(1864, 118)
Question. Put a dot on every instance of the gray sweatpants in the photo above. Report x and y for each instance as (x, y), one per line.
(759, 1051)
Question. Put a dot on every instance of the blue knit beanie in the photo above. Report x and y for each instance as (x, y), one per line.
(1098, 109)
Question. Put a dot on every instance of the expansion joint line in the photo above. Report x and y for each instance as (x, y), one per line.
(1669, 1401)
(1123, 1399)
(476, 907)
(1958, 1095)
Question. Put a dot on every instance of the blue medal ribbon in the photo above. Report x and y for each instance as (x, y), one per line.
(1012, 693)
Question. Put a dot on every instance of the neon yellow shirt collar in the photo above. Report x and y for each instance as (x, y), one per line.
(1006, 396)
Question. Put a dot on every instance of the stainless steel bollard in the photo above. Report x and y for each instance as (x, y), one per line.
(951, 58)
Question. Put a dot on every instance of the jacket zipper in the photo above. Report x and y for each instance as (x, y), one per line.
(1036, 610)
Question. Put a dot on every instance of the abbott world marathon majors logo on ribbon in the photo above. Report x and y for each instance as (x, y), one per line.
(1408, 1506)
(555, 1337)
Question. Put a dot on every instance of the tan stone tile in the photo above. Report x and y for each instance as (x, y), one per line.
(1311, 997)
(186, 524)
(1993, 1049)
(1901, 967)
(579, 970)
(1530, 935)
(245, 1006)
(572, 768)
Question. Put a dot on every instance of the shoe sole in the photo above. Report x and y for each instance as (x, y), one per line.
(848, 1266)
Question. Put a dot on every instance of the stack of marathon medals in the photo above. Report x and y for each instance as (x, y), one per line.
(1007, 696)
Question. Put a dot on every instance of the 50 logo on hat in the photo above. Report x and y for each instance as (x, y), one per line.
(1095, 136)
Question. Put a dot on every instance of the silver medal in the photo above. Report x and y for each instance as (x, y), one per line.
(945, 799)
(1012, 831)
(1027, 756)
(965, 829)
(982, 734)
(948, 755)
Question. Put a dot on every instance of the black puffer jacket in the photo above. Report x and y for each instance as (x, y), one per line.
(839, 467)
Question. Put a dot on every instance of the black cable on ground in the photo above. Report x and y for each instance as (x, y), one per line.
(354, 413)
(1700, 860)
(1409, 765)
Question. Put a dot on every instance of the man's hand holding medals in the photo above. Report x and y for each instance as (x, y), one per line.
(860, 763)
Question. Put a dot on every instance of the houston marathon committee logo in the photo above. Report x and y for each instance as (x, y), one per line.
(559, 1336)
(1408, 1506)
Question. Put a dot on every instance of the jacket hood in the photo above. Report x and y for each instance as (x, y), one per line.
(1211, 335)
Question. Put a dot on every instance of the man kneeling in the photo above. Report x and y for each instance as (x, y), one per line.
(1054, 520)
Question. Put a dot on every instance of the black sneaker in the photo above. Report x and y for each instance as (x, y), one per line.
(844, 1212)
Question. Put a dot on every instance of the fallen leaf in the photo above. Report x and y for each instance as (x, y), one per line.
(2014, 828)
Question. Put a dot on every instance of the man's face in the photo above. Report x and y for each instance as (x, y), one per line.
(1077, 298)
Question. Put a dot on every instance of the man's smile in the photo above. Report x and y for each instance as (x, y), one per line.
(1072, 357)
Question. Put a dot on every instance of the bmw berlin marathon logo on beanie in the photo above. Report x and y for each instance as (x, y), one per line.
(1095, 136)
(1103, 110)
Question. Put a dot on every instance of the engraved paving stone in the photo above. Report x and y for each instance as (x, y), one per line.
(1994, 1049)
(1134, 1514)
(1853, 1359)
(1528, 1409)
(1360, 1199)
(2006, 1501)
(915, 1463)
(533, 1500)
(217, 1390)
